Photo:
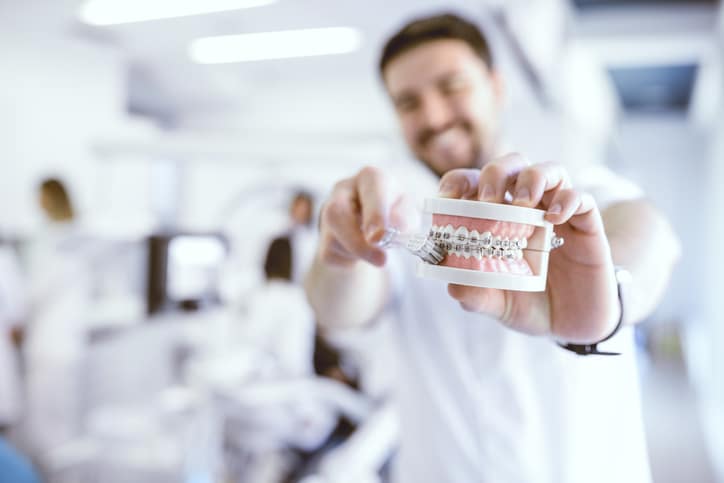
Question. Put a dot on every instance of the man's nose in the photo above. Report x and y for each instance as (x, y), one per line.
(435, 113)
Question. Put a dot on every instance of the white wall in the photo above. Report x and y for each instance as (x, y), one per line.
(711, 365)
(56, 94)
(668, 158)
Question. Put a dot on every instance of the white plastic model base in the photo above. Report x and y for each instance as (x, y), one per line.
(535, 254)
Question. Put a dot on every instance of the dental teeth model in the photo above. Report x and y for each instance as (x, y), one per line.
(487, 245)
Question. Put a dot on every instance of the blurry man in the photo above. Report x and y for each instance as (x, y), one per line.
(485, 393)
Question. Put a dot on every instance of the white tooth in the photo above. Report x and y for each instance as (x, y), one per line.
(505, 243)
(509, 254)
(488, 251)
(447, 233)
(523, 243)
(474, 239)
(486, 239)
(466, 251)
(461, 235)
(445, 140)
(519, 254)
(497, 242)
(477, 253)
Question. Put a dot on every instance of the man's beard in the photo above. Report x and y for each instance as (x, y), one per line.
(476, 158)
(472, 165)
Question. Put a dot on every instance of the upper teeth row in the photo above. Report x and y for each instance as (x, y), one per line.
(464, 237)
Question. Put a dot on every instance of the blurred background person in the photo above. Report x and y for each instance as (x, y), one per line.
(60, 289)
(55, 202)
(302, 233)
(13, 315)
(14, 468)
(279, 323)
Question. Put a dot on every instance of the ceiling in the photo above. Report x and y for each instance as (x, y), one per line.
(163, 82)
(157, 49)
(602, 4)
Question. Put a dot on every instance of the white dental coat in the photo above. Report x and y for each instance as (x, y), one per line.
(13, 310)
(480, 403)
(280, 325)
(60, 297)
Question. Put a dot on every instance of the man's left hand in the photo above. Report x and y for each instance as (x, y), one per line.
(580, 302)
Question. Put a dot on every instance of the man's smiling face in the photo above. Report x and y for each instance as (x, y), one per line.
(447, 101)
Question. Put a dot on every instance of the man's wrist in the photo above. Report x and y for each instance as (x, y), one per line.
(623, 277)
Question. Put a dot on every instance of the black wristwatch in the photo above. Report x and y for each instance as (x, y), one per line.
(623, 277)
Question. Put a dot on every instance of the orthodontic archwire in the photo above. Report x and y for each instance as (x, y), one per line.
(434, 246)
(451, 239)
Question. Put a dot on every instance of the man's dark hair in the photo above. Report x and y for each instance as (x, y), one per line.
(278, 264)
(438, 27)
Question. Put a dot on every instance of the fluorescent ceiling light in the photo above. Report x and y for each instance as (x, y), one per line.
(275, 45)
(110, 12)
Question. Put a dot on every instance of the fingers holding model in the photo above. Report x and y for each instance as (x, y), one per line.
(579, 303)
(355, 218)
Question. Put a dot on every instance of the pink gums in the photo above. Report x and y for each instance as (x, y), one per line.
(504, 229)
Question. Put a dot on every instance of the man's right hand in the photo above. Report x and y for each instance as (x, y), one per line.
(355, 217)
(343, 292)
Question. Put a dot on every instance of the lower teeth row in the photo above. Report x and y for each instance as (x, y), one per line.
(479, 252)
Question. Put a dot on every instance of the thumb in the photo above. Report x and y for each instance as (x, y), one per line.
(460, 183)
(488, 301)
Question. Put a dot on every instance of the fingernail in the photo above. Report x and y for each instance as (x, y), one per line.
(448, 190)
(488, 193)
(372, 232)
(555, 209)
(522, 195)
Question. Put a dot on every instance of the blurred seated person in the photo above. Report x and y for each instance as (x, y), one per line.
(280, 322)
(278, 332)
(328, 362)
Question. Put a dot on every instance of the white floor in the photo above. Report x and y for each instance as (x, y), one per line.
(676, 443)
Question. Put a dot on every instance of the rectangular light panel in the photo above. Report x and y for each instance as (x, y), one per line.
(111, 12)
(275, 45)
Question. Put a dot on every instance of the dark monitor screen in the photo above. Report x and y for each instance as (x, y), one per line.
(183, 270)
